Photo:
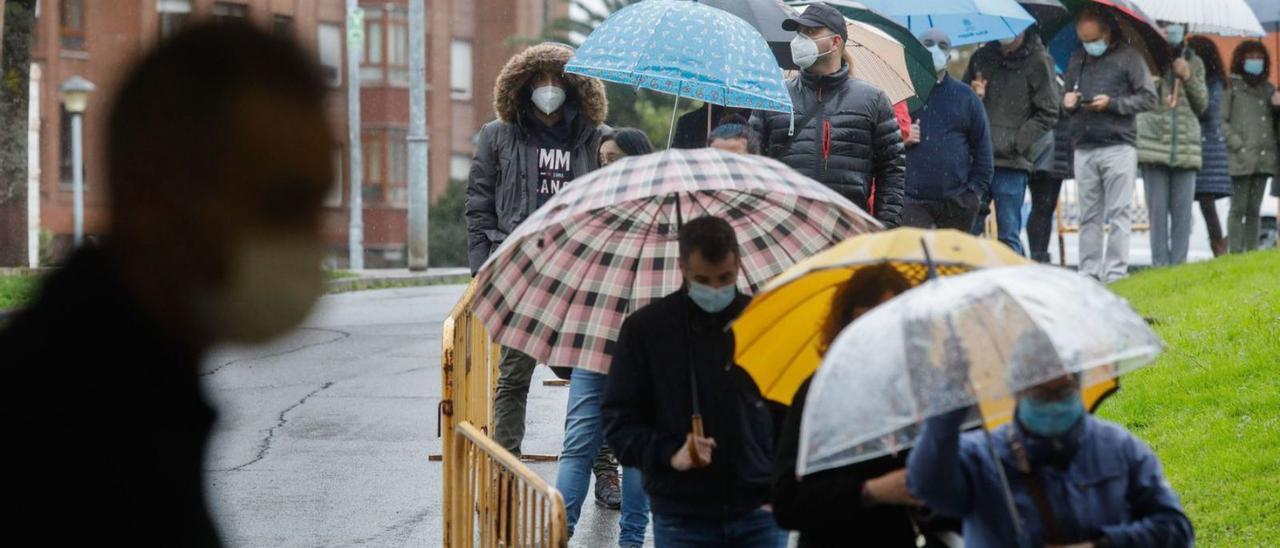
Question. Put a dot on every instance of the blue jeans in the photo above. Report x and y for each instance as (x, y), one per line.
(583, 434)
(1009, 190)
(754, 530)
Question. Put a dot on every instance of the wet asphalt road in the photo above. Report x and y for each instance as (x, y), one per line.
(323, 437)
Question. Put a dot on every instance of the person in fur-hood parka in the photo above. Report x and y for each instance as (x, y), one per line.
(529, 152)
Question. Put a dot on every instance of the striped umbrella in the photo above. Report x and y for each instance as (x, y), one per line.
(560, 286)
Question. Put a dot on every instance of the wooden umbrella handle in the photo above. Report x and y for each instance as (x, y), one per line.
(693, 450)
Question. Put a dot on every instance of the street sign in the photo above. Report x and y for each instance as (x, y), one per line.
(355, 27)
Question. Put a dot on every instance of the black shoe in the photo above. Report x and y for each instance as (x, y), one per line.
(609, 491)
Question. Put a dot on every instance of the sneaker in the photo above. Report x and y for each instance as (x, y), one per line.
(609, 491)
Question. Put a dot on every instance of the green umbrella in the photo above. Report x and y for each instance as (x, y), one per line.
(919, 60)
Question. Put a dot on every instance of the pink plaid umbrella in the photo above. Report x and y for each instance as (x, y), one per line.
(559, 287)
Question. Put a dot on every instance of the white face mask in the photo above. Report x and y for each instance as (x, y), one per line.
(548, 99)
(940, 58)
(272, 284)
(804, 51)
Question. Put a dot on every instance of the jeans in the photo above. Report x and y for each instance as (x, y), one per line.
(583, 435)
(1105, 178)
(957, 212)
(1009, 190)
(1044, 202)
(515, 371)
(756, 529)
(1246, 206)
(1170, 194)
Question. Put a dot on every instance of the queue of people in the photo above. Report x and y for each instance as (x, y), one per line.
(1010, 126)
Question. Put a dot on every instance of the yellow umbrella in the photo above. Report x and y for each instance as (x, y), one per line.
(777, 335)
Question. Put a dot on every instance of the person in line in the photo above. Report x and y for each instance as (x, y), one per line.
(1015, 80)
(1046, 186)
(1214, 179)
(1107, 84)
(949, 158)
(584, 451)
(708, 488)
(844, 133)
(547, 132)
(1248, 121)
(217, 148)
(734, 135)
(693, 128)
(622, 142)
(866, 503)
(1169, 149)
(1076, 480)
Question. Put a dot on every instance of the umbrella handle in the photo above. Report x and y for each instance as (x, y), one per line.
(693, 452)
(1173, 98)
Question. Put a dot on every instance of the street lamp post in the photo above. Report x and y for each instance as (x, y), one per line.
(75, 94)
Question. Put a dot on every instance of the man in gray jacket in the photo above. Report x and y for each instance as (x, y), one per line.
(547, 133)
(1107, 85)
(1014, 78)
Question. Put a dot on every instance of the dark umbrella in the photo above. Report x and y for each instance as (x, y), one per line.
(1132, 26)
(1045, 11)
(919, 60)
(767, 17)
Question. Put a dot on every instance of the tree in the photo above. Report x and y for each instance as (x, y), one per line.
(15, 77)
(628, 107)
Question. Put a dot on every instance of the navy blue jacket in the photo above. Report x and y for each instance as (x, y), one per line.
(954, 153)
(1112, 486)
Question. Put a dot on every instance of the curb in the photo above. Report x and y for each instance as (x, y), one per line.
(361, 283)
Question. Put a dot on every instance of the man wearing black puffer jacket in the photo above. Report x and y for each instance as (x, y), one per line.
(845, 134)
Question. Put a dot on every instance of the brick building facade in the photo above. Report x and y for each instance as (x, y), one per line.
(98, 39)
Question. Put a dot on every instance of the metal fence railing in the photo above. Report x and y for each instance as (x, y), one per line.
(490, 498)
(495, 500)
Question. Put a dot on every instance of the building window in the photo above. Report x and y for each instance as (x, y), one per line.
(73, 24)
(386, 47)
(334, 199)
(329, 44)
(230, 11)
(459, 167)
(385, 168)
(65, 158)
(282, 25)
(173, 15)
(460, 69)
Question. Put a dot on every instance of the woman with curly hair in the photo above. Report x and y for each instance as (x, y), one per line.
(1248, 115)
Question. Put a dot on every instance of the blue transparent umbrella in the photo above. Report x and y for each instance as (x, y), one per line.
(965, 21)
(687, 49)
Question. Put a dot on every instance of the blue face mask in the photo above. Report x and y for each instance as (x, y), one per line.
(1096, 47)
(1175, 33)
(1254, 66)
(712, 299)
(1049, 419)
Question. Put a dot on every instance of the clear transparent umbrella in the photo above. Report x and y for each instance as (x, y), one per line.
(951, 343)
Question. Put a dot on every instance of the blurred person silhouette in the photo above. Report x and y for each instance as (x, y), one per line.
(734, 135)
(218, 152)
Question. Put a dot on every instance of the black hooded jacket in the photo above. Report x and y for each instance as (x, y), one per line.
(648, 408)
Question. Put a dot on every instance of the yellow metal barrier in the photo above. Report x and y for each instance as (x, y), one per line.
(489, 498)
(495, 500)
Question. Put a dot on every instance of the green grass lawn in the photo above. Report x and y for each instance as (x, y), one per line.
(1210, 406)
(17, 290)
(338, 274)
